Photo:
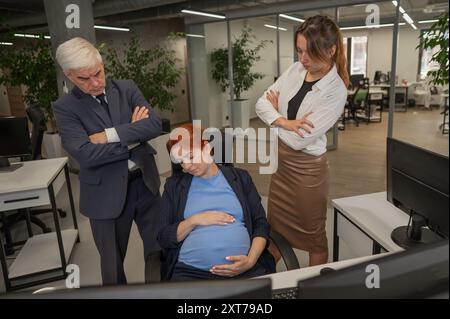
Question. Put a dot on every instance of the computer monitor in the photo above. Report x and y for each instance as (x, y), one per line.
(14, 141)
(417, 183)
(356, 80)
(206, 289)
(421, 272)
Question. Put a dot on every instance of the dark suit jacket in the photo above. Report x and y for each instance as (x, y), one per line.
(104, 167)
(174, 201)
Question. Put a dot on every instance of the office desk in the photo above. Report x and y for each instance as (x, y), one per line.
(401, 86)
(288, 279)
(35, 184)
(363, 225)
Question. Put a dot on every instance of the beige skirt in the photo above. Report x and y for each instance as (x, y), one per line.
(297, 206)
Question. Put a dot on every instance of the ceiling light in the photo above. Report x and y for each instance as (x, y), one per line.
(408, 18)
(104, 27)
(195, 35)
(6, 43)
(33, 36)
(395, 3)
(274, 27)
(291, 18)
(371, 26)
(205, 14)
(428, 21)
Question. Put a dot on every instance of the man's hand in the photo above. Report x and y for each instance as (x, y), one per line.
(240, 265)
(140, 113)
(98, 138)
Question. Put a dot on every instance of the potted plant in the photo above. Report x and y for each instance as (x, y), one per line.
(155, 72)
(32, 66)
(244, 58)
(437, 35)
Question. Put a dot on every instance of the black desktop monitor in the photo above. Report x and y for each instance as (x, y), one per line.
(356, 80)
(417, 183)
(14, 140)
(377, 77)
(205, 289)
(421, 272)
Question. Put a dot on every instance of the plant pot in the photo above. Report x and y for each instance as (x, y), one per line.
(165, 125)
(52, 145)
(162, 157)
(240, 113)
(52, 148)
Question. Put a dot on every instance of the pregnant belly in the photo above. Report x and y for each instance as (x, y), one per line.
(207, 246)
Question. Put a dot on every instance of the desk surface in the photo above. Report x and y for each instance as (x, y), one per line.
(290, 278)
(32, 175)
(388, 85)
(374, 215)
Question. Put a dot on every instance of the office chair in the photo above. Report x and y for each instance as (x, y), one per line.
(36, 116)
(359, 101)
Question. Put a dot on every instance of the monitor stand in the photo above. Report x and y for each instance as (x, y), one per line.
(414, 235)
(6, 167)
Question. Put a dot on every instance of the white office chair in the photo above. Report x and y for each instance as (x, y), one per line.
(422, 94)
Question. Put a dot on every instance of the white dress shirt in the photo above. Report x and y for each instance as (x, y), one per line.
(326, 100)
(113, 137)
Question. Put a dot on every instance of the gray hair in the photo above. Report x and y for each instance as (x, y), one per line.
(77, 53)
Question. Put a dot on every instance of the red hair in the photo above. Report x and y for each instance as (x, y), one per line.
(190, 129)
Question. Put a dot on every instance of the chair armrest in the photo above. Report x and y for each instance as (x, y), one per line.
(286, 251)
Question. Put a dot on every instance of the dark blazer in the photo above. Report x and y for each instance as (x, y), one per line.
(104, 167)
(174, 201)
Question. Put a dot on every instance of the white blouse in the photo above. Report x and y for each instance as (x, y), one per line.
(326, 100)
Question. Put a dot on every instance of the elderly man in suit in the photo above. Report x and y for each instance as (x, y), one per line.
(105, 125)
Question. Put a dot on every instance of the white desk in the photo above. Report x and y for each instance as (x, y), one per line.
(397, 86)
(35, 184)
(288, 279)
(363, 225)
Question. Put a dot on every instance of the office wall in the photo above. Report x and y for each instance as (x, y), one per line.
(380, 50)
(150, 34)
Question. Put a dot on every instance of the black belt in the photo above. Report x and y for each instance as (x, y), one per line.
(135, 173)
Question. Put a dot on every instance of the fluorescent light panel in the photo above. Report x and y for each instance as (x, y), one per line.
(6, 43)
(205, 14)
(195, 35)
(291, 18)
(405, 16)
(371, 27)
(428, 21)
(34, 36)
(104, 27)
(274, 27)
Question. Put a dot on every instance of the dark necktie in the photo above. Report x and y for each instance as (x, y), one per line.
(102, 100)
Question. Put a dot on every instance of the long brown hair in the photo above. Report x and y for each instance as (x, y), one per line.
(321, 33)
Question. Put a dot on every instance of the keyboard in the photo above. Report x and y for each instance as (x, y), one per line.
(285, 293)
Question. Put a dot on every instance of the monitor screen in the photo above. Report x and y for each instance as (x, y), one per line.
(14, 137)
(205, 289)
(416, 273)
(417, 182)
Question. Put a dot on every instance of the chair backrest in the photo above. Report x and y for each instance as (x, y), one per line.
(37, 118)
(361, 97)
